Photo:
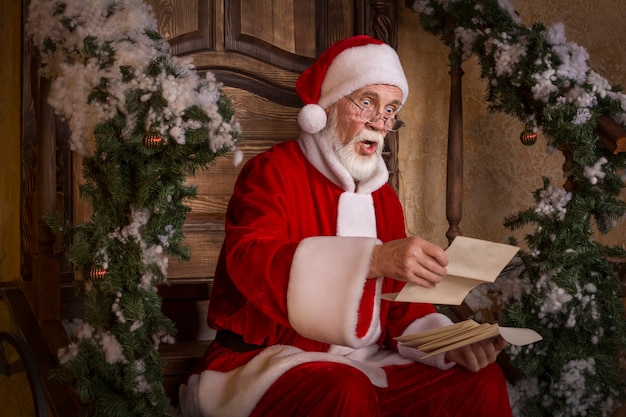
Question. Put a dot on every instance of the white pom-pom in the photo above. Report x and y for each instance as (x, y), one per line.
(312, 118)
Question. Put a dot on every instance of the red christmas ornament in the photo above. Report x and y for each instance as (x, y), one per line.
(528, 137)
(97, 273)
(152, 140)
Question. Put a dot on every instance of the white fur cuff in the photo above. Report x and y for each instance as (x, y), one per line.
(326, 285)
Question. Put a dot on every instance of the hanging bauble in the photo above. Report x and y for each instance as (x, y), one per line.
(528, 137)
(152, 140)
(97, 273)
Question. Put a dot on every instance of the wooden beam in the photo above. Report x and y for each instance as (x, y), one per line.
(611, 134)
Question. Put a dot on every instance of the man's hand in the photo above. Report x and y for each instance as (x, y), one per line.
(412, 259)
(478, 355)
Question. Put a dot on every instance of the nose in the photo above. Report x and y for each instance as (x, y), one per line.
(378, 125)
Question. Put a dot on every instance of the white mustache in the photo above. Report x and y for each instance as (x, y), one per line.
(370, 136)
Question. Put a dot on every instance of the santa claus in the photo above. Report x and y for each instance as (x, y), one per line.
(314, 236)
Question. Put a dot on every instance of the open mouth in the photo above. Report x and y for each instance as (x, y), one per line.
(368, 147)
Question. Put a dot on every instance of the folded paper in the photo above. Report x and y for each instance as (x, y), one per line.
(443, 339)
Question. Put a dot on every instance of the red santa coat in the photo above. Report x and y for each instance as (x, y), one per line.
(279, 201)
(292, 277)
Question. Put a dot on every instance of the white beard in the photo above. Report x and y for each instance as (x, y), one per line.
(360, 167)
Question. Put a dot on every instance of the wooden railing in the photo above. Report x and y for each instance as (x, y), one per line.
(29, 365)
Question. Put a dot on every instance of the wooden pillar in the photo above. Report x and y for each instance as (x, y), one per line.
(454, 181)
(454, 173)
(46, 268)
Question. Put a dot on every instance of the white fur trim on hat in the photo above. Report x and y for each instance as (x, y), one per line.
(359, 67)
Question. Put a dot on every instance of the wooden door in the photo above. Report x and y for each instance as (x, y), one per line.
(257, 49)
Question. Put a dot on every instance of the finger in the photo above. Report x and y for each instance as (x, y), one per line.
(428, 254)
(490, 351)
(470, 360)
(459, 355)
(436, 253)
(427, 278)
(427, 269)
(421, 282)
(493, 347)
(499, 343)
(429, 263)
(481, 355)
(433, 267)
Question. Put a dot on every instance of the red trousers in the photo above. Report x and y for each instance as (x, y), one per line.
(324, 389)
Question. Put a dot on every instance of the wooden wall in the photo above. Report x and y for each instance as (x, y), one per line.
(10, 33)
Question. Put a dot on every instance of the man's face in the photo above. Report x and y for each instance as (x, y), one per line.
(357, 143)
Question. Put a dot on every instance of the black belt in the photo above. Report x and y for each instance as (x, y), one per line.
(234, 341)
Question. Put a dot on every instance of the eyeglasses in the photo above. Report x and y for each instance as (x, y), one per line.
(391, 124)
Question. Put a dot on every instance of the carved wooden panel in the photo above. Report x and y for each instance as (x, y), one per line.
(266, 30)
(188, 25)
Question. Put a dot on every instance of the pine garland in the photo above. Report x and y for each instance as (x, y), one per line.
(144, 122)
(567, 289)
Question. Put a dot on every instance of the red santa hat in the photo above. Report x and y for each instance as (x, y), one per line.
(343, 68)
